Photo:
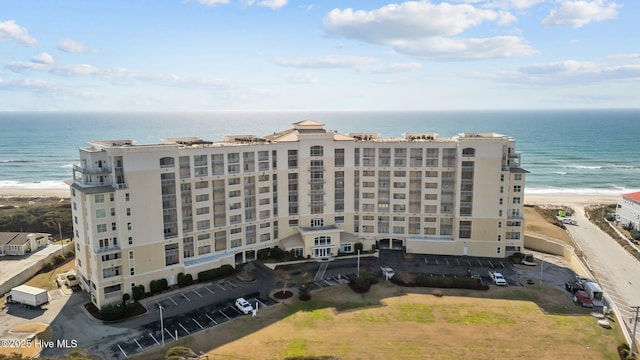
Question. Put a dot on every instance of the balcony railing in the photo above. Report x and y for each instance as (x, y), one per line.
(103, 249)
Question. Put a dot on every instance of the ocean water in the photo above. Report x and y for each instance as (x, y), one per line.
(583, 152)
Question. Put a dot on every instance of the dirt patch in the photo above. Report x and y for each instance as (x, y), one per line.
(26, 340)
(536, 224)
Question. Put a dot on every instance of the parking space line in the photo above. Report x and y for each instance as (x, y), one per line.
(225, 315)
(197, 293)
(165, 329)
(175, 303)
(185, 296)
(232, 284)
(491, 264)
(446, 260)
(426, 261)
(328, 283)
(479, 263)
(125, 354)
(183, 328)
(154, 338)
(207, 315)
(458, 261)
(195, 321)
(220, 286)
(140, 346)
(209, 290)
(469, 262)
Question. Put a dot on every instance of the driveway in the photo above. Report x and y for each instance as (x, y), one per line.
(614, 268)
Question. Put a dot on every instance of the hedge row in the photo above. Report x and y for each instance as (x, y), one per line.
(212, 274)
(439, 281)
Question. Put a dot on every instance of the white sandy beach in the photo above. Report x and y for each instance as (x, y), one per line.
(572, 200)
(34, 193)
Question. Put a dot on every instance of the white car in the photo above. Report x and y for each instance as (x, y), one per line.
(569, 221)
(387, 272)
(244, 306)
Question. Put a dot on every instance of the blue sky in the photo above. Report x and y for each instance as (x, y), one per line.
(200, 55)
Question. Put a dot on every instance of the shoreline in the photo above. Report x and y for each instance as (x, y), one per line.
(565, 198)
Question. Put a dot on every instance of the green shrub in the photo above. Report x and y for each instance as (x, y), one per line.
(361, 284)
(635, 234)
(358, 247)
(48, 266)
(439, 281)
(112, 312)
(138, 292)
(70, 254)
(184, 280)
(125, 297)
(218, 273)
(58, 259)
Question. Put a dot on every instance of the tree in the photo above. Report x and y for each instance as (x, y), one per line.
(180, 353)
(304, 293)
(283, 277)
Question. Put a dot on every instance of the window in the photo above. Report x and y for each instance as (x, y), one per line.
(113, 226)
(99, 198)
(317, 222)
(517, 188)
(112, 196)
(101, 228)
(317, 150)
(113, 212)
(322, 240)
(500, 201)
(128, 226)
(132, 272)
(234, 181)
(128, 211)
(468, 152)
(465, 230)
(166, 162)
(171, 254)
(516, 200)
(517, 177)
(126, 197)
(130, 240)
(100, 213)
(497, 250)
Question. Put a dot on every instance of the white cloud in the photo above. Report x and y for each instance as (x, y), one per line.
(213, 2)
(409, 20)
(572, 72)
(421, 28)
(9, 30)
(273, 4)
(72, 46)
(328, 61)
(513, 4)
(300, 78)
(29, 85)
(580, 12)
(392, 68)
(441, 48)
(43, 58)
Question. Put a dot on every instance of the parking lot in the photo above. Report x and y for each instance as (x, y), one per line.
(175, 327)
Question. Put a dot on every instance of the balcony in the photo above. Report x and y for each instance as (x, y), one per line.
(104, 249)
(91, 171)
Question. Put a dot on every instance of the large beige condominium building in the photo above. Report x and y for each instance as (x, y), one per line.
(147, 212)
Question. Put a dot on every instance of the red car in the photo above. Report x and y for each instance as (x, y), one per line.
(582, 298)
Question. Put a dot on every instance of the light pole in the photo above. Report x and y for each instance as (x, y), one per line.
(358, 273)
(61, 242)
(161, 325)
(635, 323)
(541, 268)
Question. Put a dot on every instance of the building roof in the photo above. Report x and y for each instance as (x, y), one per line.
(632, 196)
(13, 238)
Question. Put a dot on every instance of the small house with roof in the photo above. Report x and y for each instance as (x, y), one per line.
(20, 243)
(628, 210)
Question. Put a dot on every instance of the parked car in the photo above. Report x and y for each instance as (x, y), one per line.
(569, 221)
(582, 298)
(244, 306)
(387, 272)
(497, 278)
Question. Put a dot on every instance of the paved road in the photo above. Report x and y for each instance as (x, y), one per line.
(615, 269)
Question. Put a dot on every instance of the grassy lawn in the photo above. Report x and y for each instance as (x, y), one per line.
(48, 280)
(391, 322)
